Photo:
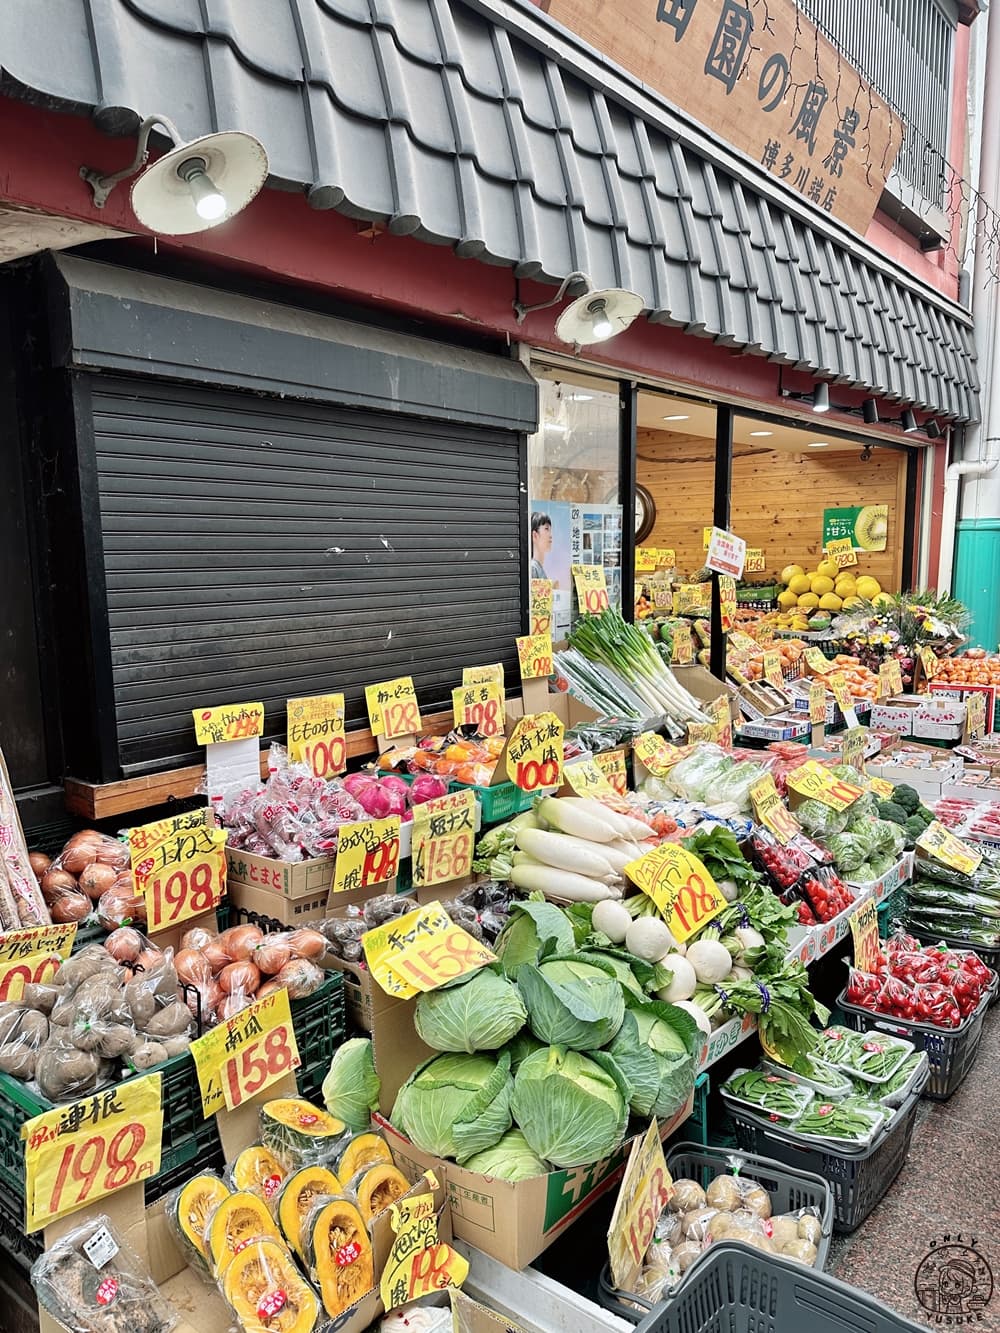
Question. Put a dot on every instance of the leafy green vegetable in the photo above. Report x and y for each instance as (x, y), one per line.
(572, 1111)
(819, 820)
(510, 1159)
(892, 811)
(532, 931)
(914, 829)
(781, 998)
(846, 850)
(720, 853)
(523, 1045)
(763, 910)
(655, 1049)
(351, 1086)
(481, 1014)
(495, 851)
(456, 1105)
(572, 1003)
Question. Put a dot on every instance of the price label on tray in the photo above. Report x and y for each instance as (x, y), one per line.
(392, 708)
(367, 854)
(771, 811)
(612, 765)
(812, 781)
(587, 779)
(18, 944)
(443, 838)
(864, 931)
(182, 877)
(938, 842)
(645, 1191)
(841, 552)
(817, 703)
(480, 706)
(316, 734)
(37, 967)
(540, 607)
(85, 1150)
(246, 1054)
(535, 752)
(772, 668)
(815, 660)
(681, 887)
(534, 653)
(591, 588)
(421, 951)
(228, 722)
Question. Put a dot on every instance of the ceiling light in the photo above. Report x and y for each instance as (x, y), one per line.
(679, 418)
(908, 421)
(821, 398)
(819, 444)
(760, 434)
(869, 411)
(591, 318)
(195, 185)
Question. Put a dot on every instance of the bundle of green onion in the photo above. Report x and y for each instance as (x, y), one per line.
(608, 640)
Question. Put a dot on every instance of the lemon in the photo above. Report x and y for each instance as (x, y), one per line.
(828, 569)
(808, 601)
(868, 588)
(830, 602)
(799, 583)
(787, 599)
(789, 572)
(820, 584)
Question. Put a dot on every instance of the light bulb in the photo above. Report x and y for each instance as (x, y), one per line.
(209, 201)
(601, 324)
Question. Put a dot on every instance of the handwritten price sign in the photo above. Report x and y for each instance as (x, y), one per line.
(392, 708)
(83, 1151)
(534, 653)
(645, 1190)
(367, 854)
(316, 734)
(587, 779)
(480, 706)
(28, 972)
(929, 662)
(17, 944)
(245, 1054)
(841, 552)
(443, 838)
(612, 765)
(681, 648)
(146, 838)
(645, 559)
(540, 607)
(657, 755)
(864, 932)
(421, 951)
(228, 722)
(182, 877)
(591, 588)
(727, 602)
(418, 1262)
(482, 675)
(816, 662)
(681, 887)
(771, 810)
(755, 562)
(812, 781)
(855, 744)
(535, 752)
(817, 703)
(772, 668)
(936, 841)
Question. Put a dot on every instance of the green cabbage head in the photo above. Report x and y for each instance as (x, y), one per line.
(456, 1105)
(532, 929)
(656, 1050)
(571, 1111)
(481, 1014)
(572, 1003)
(351, 1088)
(510, 1159)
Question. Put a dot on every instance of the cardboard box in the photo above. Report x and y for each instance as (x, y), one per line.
(761, 700)
(895, 714)
(514, 1221)
(940, 719)
(778, 728)
(298, 911)
(290, 879)
(968, 785)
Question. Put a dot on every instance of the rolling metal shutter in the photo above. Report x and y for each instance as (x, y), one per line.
(260, 548)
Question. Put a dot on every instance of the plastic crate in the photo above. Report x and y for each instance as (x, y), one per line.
(790, 1189)
(892, 910)
(501, 802)
(951, 1052)
(20, 1249)
(695, 1127)
(739, 1291)
(859, 1180)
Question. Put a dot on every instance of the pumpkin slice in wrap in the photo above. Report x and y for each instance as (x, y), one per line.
(380, 1186)
(257, 1170)
(191, 1212)
(239, 1219)
(300, 1134)
(362, 1151)
(341, 1252)
(267, 1292)
(297, 1196)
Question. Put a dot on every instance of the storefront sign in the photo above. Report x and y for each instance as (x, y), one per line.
(421, 951)
(535, 752)
(754, 563)
(228, 722)
(645, 1190)
(841, 552)
(726, 553)
(444, 832)
(480, 706)
(764, 80)
(85, 1150)
(772, 668)
(316, 734)
(392, 708)
(938, 842)
(864, 931)
(867, 526)
(591, 588)
(245, 1054)
(182, 877)
(540, 607)
(612, 765)
(367, 854)
(534, 653)
(680, 885)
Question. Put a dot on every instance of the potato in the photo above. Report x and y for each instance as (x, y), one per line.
(141, 1003)
(720, 1225)
(18, 1059)
(758, 1241)
(40, 995)
(724, 1192)
(757, 1201)
(784, 1229)
(11, 1018)
(148, 1054)
(116, 1039)
(34, 1027)
(696, 1222)
(171, 1021)
(64, 1072)
(688, 1194)
(801, 1250)
(744, 1220)
(686, 1254)
(176, 1045)
(810, 1228)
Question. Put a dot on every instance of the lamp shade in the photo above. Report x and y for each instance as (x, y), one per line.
(234, 163)
(597, 316)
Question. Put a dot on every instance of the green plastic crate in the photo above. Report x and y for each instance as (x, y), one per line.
(695, 1128)
(501, 802)
(893, 909)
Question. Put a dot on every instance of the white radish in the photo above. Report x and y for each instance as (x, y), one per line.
(524, 859)
(699, 1015)
(620, 853)
(625, 825)
(565, 853)
(684, 983)
(563, 813)
(561, 884)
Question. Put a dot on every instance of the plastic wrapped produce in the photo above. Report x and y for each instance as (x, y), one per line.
(820, 820)
(696, 777)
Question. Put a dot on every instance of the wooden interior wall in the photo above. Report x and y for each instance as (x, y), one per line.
(778, 499)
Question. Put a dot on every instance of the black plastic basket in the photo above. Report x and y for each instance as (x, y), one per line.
(790, 1189)
(744, 1291)
(951, 1052)
(859, 1180)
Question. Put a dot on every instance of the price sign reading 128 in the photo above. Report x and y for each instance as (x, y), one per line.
(681, 887)
(392, 708)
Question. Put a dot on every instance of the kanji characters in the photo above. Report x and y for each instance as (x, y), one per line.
(843, 141)
(677, 13)
(807, 120)
(730, 43)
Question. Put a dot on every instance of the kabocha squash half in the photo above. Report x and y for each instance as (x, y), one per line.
(300, 1134)
(258, 1170)
(363, 1150)
(378, 1187)
(267, 1292)
(296, 1198)
(192, 1210)
(238, 1219)
(341, 1253)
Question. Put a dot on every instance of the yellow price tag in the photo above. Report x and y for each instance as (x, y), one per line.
(246, 1054)
(754, 563)
(700, 733)
(535, 752)
(772, 668)
(421, 951)
(483, 675)
(316, 734)
(837, 683)
(443, 837)
(534, 653)
(645, 1190)
(721, 715)
(418, 1264)
(143, 840)
(540, 607)
(682, 649)
(85, 1150)
(929, 662)
(864, 931)
(692, 598)
(841, 552)
(228, 722)
(975, 705)
(587, 779)
(815, 661)
(656, 754)
(817, 703)
(893, 675)
(727, 602)
(666, 557)
(681, 887)
(663, 595)
(855, 744)
(645, 559)
(367, 854)
(771, 811)
(393, 710)
(591, 588)
(943, 846)
(612, 765)
(742, 643)
(182, 877)
(812, 781)
(18, 944)
(706, 538)
(882, 789)
(480, 706)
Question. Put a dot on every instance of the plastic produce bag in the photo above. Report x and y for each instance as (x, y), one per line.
(695, 777)
(820, 820)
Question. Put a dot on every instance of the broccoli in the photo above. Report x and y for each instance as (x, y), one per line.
(893, 812)
(924, 815)
(907, 797)
(914, 828)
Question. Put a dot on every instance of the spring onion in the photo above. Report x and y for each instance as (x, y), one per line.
(607, 639)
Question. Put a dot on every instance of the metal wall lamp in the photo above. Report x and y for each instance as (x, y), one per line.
(591, 318)
(198, 184)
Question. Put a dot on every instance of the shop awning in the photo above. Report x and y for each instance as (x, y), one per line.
(482, 125)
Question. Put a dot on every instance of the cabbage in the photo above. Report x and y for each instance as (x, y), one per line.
(881, 864)
(846, 850)
(572, 1111)
(819, 820)
(865, 807)
(523, 1045)
(571, 1003)
(456, 1105)
(510, 1159)
(533, 929)
(351, 1087)
(480, 1014)
(864, 873)
(867, 836)
(889, 838)
(655, 1050)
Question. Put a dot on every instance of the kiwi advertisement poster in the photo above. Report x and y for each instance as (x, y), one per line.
(867, 526)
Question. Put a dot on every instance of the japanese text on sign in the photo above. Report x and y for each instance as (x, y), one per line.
(755, 562)
(890, 679)
(587, 779)
(443, 838)
(645, 1190)
(591, 588)
(681, 887)
(864, 931)
(727, 602)
(534, 653)
(815, 661)
(87, 1149)
(147, 837)
(228, 722)
(182, 877)
(316, 734)
(645, 559)
(534, 755)
(367, 854)
(855, 744)
(812, 781)
(392, 708)
(726, 553)
(418, 1264)
(771, 810)
(483, 675)
(612, 765)
(657, 754)
(929, 662)
(540, 607)
(817, 703)
(480, 706)
(842, 553)
(941, 844)
(30, 971)
(17, 944)
(681, 648)
(246, 1054)
(772, 668)
(722, 718)
(975, 705)
(421, 951)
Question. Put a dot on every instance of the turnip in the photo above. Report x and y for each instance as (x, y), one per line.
(684, 982)
(649, 939)
(710, 960)
(729, 889)
(699, 1015)
(749, 938)
(613, 920)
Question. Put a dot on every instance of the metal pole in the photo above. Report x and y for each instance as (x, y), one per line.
(720, 518)
(626, 493)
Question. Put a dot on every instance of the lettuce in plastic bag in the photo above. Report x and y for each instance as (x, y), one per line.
(847, 851)
(819, 820)
(695, 777)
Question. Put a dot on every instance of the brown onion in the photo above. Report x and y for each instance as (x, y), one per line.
(54, 883)
(307, 944)
(149, 960)
(115, 909)
(271, 958)
(70, 907)
(96, 879)
(231, 1005)
(210, 997)
(216, 957)
(268, 988)
(243, 977)
(301, 977)
(124, 944)
(198, 938)
(111, 852)
(240, 941)
(81, 849)
(192, 966)
(39, 863)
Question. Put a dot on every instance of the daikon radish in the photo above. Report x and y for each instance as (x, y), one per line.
(580, 819)
(626, 826)
(561, 884)
(566, 853)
